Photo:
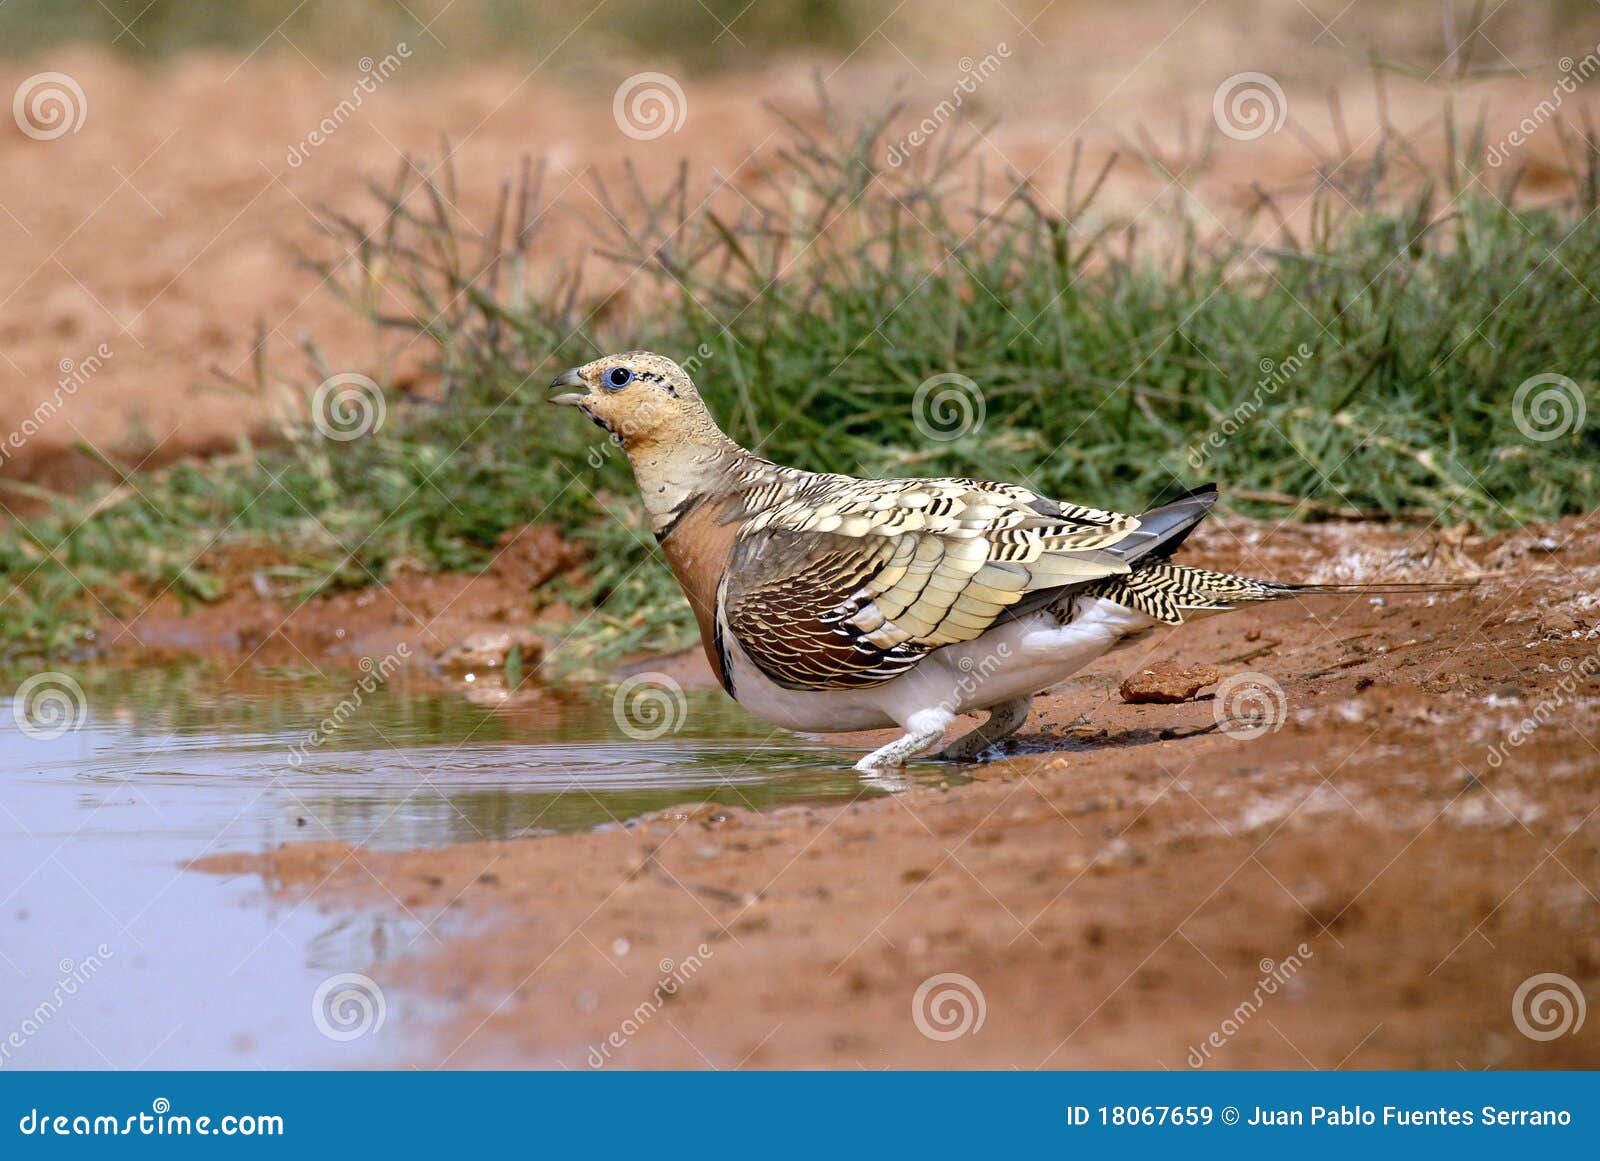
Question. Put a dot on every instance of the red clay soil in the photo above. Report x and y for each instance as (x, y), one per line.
(1366, 884)
(450, 619)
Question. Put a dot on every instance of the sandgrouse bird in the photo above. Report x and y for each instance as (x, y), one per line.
(831, 603)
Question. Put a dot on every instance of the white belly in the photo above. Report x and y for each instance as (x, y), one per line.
(1017, 659)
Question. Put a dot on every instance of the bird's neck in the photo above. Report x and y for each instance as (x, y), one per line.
(694, 490)
(676, 476)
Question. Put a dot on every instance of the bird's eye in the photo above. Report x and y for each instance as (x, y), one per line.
(618, 377)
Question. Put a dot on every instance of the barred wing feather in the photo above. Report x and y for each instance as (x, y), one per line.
(836, 582)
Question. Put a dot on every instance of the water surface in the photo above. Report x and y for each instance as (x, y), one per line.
(113, 955)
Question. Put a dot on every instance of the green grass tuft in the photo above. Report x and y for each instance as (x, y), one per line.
(813, 306)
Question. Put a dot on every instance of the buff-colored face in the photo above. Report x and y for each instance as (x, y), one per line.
(640, 398)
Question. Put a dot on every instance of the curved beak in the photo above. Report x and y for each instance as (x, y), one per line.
(569, 378)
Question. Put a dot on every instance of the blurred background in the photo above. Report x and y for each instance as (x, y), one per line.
(167, 224)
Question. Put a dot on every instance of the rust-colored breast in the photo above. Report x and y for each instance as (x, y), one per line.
(697, 548)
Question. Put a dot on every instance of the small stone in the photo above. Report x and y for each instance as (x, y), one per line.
(1166, 683)
(488, 650)
(1119, 852)
(1558, 622)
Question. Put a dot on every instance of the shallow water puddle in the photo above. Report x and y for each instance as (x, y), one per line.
(113, 955)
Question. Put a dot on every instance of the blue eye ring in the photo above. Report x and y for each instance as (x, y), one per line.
(618, 377)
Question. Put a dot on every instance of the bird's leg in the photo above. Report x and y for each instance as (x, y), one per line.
(923, 731)
(1004, 720)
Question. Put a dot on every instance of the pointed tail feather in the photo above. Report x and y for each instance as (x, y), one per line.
(1376, 588)
(1166, 591)
(1172, 592)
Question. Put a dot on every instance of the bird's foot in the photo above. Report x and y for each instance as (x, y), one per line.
(921, 735)
(965, 749)
(1004, 720)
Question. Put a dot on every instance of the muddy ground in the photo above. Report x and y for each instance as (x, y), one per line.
(1365, 884)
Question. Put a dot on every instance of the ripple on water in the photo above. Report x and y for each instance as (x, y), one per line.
(190, 970)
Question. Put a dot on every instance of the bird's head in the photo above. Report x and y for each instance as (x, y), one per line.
(641, 398)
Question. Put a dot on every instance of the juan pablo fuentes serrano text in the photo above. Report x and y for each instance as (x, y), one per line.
(1487, 1117)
